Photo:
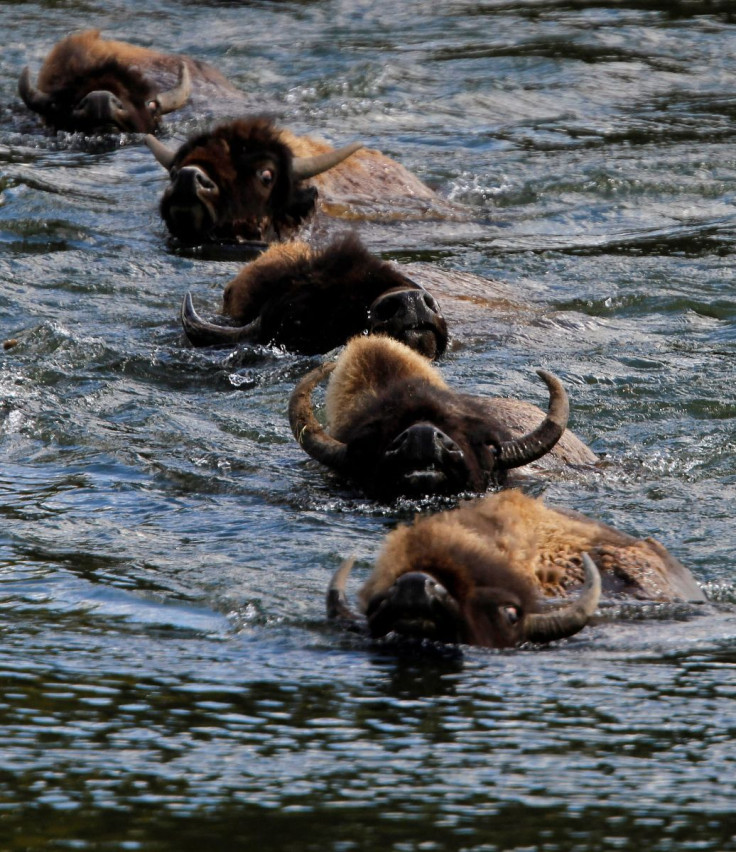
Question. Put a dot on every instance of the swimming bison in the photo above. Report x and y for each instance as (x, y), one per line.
(395, 427)
(248, 181)
(311, 301)
(91, 84)
(480, 575)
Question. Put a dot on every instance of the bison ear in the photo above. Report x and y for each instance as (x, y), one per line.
(33, 98)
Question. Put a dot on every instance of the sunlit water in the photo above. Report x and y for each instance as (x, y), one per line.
(168, 680)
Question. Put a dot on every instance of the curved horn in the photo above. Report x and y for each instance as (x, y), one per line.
(546, 627)
(308, 432)
(337, 600)
(33, 98)
(164, 155)
(200, 332)
(307, 167)
(176, 98)
(537, 443)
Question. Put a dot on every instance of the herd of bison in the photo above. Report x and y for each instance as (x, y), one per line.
(499, 571)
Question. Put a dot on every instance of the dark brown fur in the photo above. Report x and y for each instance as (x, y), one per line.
(379, 388)
(85, 62)
(312, 301)
(233, 155)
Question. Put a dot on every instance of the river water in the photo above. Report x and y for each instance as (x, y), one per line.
(167, 678)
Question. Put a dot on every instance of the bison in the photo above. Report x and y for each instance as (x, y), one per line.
(248, 181)
(311, 301)
(91, 84)
(480, 575)
(396, 428)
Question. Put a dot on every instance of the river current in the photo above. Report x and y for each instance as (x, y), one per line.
(167, 677)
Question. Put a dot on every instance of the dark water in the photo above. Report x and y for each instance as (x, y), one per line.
(167, 679)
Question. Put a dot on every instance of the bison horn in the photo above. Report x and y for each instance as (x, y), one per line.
(307, 167)
(176, 98)
(164, 155)
(33, 98)
(307, 430)
(546, 627)
(533, 446)
(203, 333)
(337, 600)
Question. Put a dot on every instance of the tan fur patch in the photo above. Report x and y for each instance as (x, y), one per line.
(453, 542)
(372, 180)
(544, 544)
(236, 296)
(364, 367)
(81, 51)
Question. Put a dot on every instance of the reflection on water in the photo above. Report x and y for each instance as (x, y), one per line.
(168, 679)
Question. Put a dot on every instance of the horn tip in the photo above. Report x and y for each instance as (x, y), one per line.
(336, 599)
(592, 580)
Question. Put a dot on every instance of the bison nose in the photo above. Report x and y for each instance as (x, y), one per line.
(416, 589)
(412, 316)
(192, 180)
(416, 606)
(423, 444)
(101, 108)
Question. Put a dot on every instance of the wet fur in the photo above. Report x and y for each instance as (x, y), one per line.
(311, 300)
(379, 387)
(227, 154)
(467, 547)
(365, 368)
(85, 62)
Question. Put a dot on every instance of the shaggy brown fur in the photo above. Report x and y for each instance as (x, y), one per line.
(537, 544)
(244, 206)
(85, 62)
(314, 300)
(365, 368)
(369, 367)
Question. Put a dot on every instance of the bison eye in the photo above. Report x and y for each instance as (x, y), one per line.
(512, 613)
(265, 176)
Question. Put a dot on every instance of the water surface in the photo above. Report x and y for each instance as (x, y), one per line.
(168, 681)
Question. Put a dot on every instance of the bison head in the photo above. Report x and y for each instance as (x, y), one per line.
(414, 438)
(461, 597)
(114, 97)
(311, 301)
(239, 182)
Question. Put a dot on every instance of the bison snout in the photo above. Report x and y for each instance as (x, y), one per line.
(424, 442)
(423, 460)
(416, 606)
(101, 109)
(191, 180)
(188, 205)
(412, 316)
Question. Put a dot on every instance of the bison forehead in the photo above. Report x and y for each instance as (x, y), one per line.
(111, 77)
(412, 400)
(461, 558)
(233, 142)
